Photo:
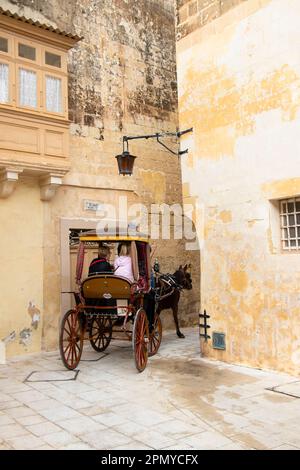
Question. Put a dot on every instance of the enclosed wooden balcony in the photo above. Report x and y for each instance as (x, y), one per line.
(34, 126)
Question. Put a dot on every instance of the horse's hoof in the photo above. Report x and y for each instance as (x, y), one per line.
(180, 335)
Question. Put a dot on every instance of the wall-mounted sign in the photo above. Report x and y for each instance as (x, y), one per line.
(92, 206)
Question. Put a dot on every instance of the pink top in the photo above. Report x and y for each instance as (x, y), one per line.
(123, 267)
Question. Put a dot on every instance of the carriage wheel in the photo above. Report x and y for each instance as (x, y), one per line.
(71, 339)
(100, 333)
(155, 336)
(140, 339)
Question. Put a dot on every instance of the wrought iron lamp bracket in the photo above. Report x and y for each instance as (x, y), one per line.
(157, 136)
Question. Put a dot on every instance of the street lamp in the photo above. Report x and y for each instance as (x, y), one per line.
(126, 160)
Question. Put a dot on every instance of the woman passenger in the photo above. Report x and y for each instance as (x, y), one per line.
(123, 263)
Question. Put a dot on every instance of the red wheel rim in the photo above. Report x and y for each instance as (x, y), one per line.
(100, 333)
(71, 340)
(141, 335)
(155, 336)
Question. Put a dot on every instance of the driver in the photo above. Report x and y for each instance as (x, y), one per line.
(100, 264)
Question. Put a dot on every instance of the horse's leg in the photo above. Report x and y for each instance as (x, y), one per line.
(175, 316)
(158, 310)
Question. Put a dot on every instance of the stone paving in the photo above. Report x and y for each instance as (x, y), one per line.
(180, 401)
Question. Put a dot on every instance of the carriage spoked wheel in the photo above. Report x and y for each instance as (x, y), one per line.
(155, 336)
(71, 339)
(100, 332)
(140, 339)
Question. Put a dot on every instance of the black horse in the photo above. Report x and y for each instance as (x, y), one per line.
(170, 287)
(166, 294)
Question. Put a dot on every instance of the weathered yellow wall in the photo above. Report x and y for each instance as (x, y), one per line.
(21, 268)
(239, 87)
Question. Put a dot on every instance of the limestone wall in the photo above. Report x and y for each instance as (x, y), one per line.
(194, 14)
(239, 87)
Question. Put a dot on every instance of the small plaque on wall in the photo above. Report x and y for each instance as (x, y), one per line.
(92, 206)
(218, 340)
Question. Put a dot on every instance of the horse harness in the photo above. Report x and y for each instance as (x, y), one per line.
(168, 285)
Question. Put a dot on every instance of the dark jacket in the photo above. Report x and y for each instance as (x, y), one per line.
(99, 265)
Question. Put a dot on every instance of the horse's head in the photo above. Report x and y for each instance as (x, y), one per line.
(183, 277)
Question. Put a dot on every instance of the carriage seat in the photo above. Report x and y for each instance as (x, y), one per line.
(106, 286)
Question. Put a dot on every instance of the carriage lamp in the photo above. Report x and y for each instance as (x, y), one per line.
(126, 160)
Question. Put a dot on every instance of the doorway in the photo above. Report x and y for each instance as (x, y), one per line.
(69, 231)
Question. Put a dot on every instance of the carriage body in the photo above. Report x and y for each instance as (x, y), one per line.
(107, 305)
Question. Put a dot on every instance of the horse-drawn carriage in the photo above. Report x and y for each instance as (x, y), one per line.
(107, 304)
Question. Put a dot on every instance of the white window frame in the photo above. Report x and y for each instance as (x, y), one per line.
(289, 223)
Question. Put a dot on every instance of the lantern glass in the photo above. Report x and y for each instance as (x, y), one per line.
(125, 163)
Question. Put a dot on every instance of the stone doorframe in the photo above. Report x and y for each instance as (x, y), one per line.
(65, 261)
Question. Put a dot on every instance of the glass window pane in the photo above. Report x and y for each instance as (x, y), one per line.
(284, 220)
(53, 94)
(4, 88)
(283, 207)
(53, 59)
(298, 232)
(285, 233)
(290, 207)
(298, 219)
(292, 242)
(292, 232)
(27, 88)
(26, 51)
(291, 220)
(298, 206)
(3, 45)
(286, 243)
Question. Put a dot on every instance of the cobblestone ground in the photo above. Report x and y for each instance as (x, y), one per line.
(179, 402)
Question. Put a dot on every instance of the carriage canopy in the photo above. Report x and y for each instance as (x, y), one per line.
(140, 252)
